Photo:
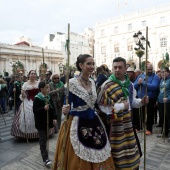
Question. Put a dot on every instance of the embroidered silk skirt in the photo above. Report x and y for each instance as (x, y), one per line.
(80, 157)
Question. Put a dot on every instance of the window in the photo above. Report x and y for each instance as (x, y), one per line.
(103, 58)
(116, 30)
(143, 23)
(103, 50)
(162, 20)
(116, 48)
(163, 42)
(102, 32)
(130, 47)
(129, 27)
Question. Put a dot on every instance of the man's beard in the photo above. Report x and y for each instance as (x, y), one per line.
(149, 73)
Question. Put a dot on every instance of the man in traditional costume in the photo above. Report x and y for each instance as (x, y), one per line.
(116, 98)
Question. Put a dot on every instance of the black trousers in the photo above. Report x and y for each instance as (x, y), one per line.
(42, 142)
(167, 116)
(138, 119)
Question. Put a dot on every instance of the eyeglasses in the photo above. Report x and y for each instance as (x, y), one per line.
(33, 74)
(56, 78)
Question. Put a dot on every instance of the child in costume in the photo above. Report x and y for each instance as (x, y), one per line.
(42, 106)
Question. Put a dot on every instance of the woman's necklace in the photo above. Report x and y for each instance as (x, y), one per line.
(86, 81)
(32, 83)
(89, 91)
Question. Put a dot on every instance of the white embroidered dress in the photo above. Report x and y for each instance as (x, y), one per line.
(23, 124)
(27, 123)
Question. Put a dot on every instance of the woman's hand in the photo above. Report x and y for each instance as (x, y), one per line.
(165, 99)
(145, 100)
(23, 95)
(54, 122)
(46, 107)
(65, 109)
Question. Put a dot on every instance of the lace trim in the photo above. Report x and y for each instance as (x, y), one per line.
(90, 155)
(100, 94)
(80, 108)
(27, 122)
(79, 91)
(28, 86)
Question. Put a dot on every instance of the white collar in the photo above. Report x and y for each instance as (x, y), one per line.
(79, 91)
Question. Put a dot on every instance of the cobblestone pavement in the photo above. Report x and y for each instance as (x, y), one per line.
(157, 154)
(5, 125)
(31, 158)
(157, 151)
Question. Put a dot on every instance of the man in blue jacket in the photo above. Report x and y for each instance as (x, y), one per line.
(152, 87)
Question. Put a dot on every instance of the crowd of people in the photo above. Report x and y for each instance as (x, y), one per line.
(105, 111)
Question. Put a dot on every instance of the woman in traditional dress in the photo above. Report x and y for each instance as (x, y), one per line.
(84, 140)
(57, 95)
(23, 124)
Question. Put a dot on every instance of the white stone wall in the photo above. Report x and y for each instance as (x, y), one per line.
(116, 31)
(78, 45)
(30, 57)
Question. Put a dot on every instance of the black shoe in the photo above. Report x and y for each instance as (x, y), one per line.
(47, 162)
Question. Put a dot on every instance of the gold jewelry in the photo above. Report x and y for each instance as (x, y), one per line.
(86, 81)
(88, 91)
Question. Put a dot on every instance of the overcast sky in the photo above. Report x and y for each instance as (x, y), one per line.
(35, 18)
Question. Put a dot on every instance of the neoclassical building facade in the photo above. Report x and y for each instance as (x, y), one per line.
(114, 37)
(29, 58)
(79, 44)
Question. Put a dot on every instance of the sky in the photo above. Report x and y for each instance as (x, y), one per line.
(36, 18)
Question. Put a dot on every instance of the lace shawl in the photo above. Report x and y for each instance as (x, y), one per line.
(87, 154)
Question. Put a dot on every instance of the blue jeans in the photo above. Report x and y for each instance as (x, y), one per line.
(3, 103)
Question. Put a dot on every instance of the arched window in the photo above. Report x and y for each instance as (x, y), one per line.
(163, 42)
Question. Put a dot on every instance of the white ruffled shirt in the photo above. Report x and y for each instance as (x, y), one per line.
(120, 106)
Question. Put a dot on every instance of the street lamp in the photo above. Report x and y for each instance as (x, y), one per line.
(139, 41)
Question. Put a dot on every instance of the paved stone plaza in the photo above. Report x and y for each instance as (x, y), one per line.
(16, 154)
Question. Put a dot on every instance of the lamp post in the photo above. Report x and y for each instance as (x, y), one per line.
(139, 41)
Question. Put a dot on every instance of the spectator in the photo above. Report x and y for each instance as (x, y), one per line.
(152, 85)
(63, 79)
(3, 95)
(131, 74)
(57, 95)
(101, 77)
(48, 76)
(164, 90)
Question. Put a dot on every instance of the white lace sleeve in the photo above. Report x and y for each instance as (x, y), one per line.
(24, 86)
(136, 102)
(118, 107)
(106, 109)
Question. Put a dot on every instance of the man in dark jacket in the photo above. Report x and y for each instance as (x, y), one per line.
(42, 106)
(152, 85)
(17, 86)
